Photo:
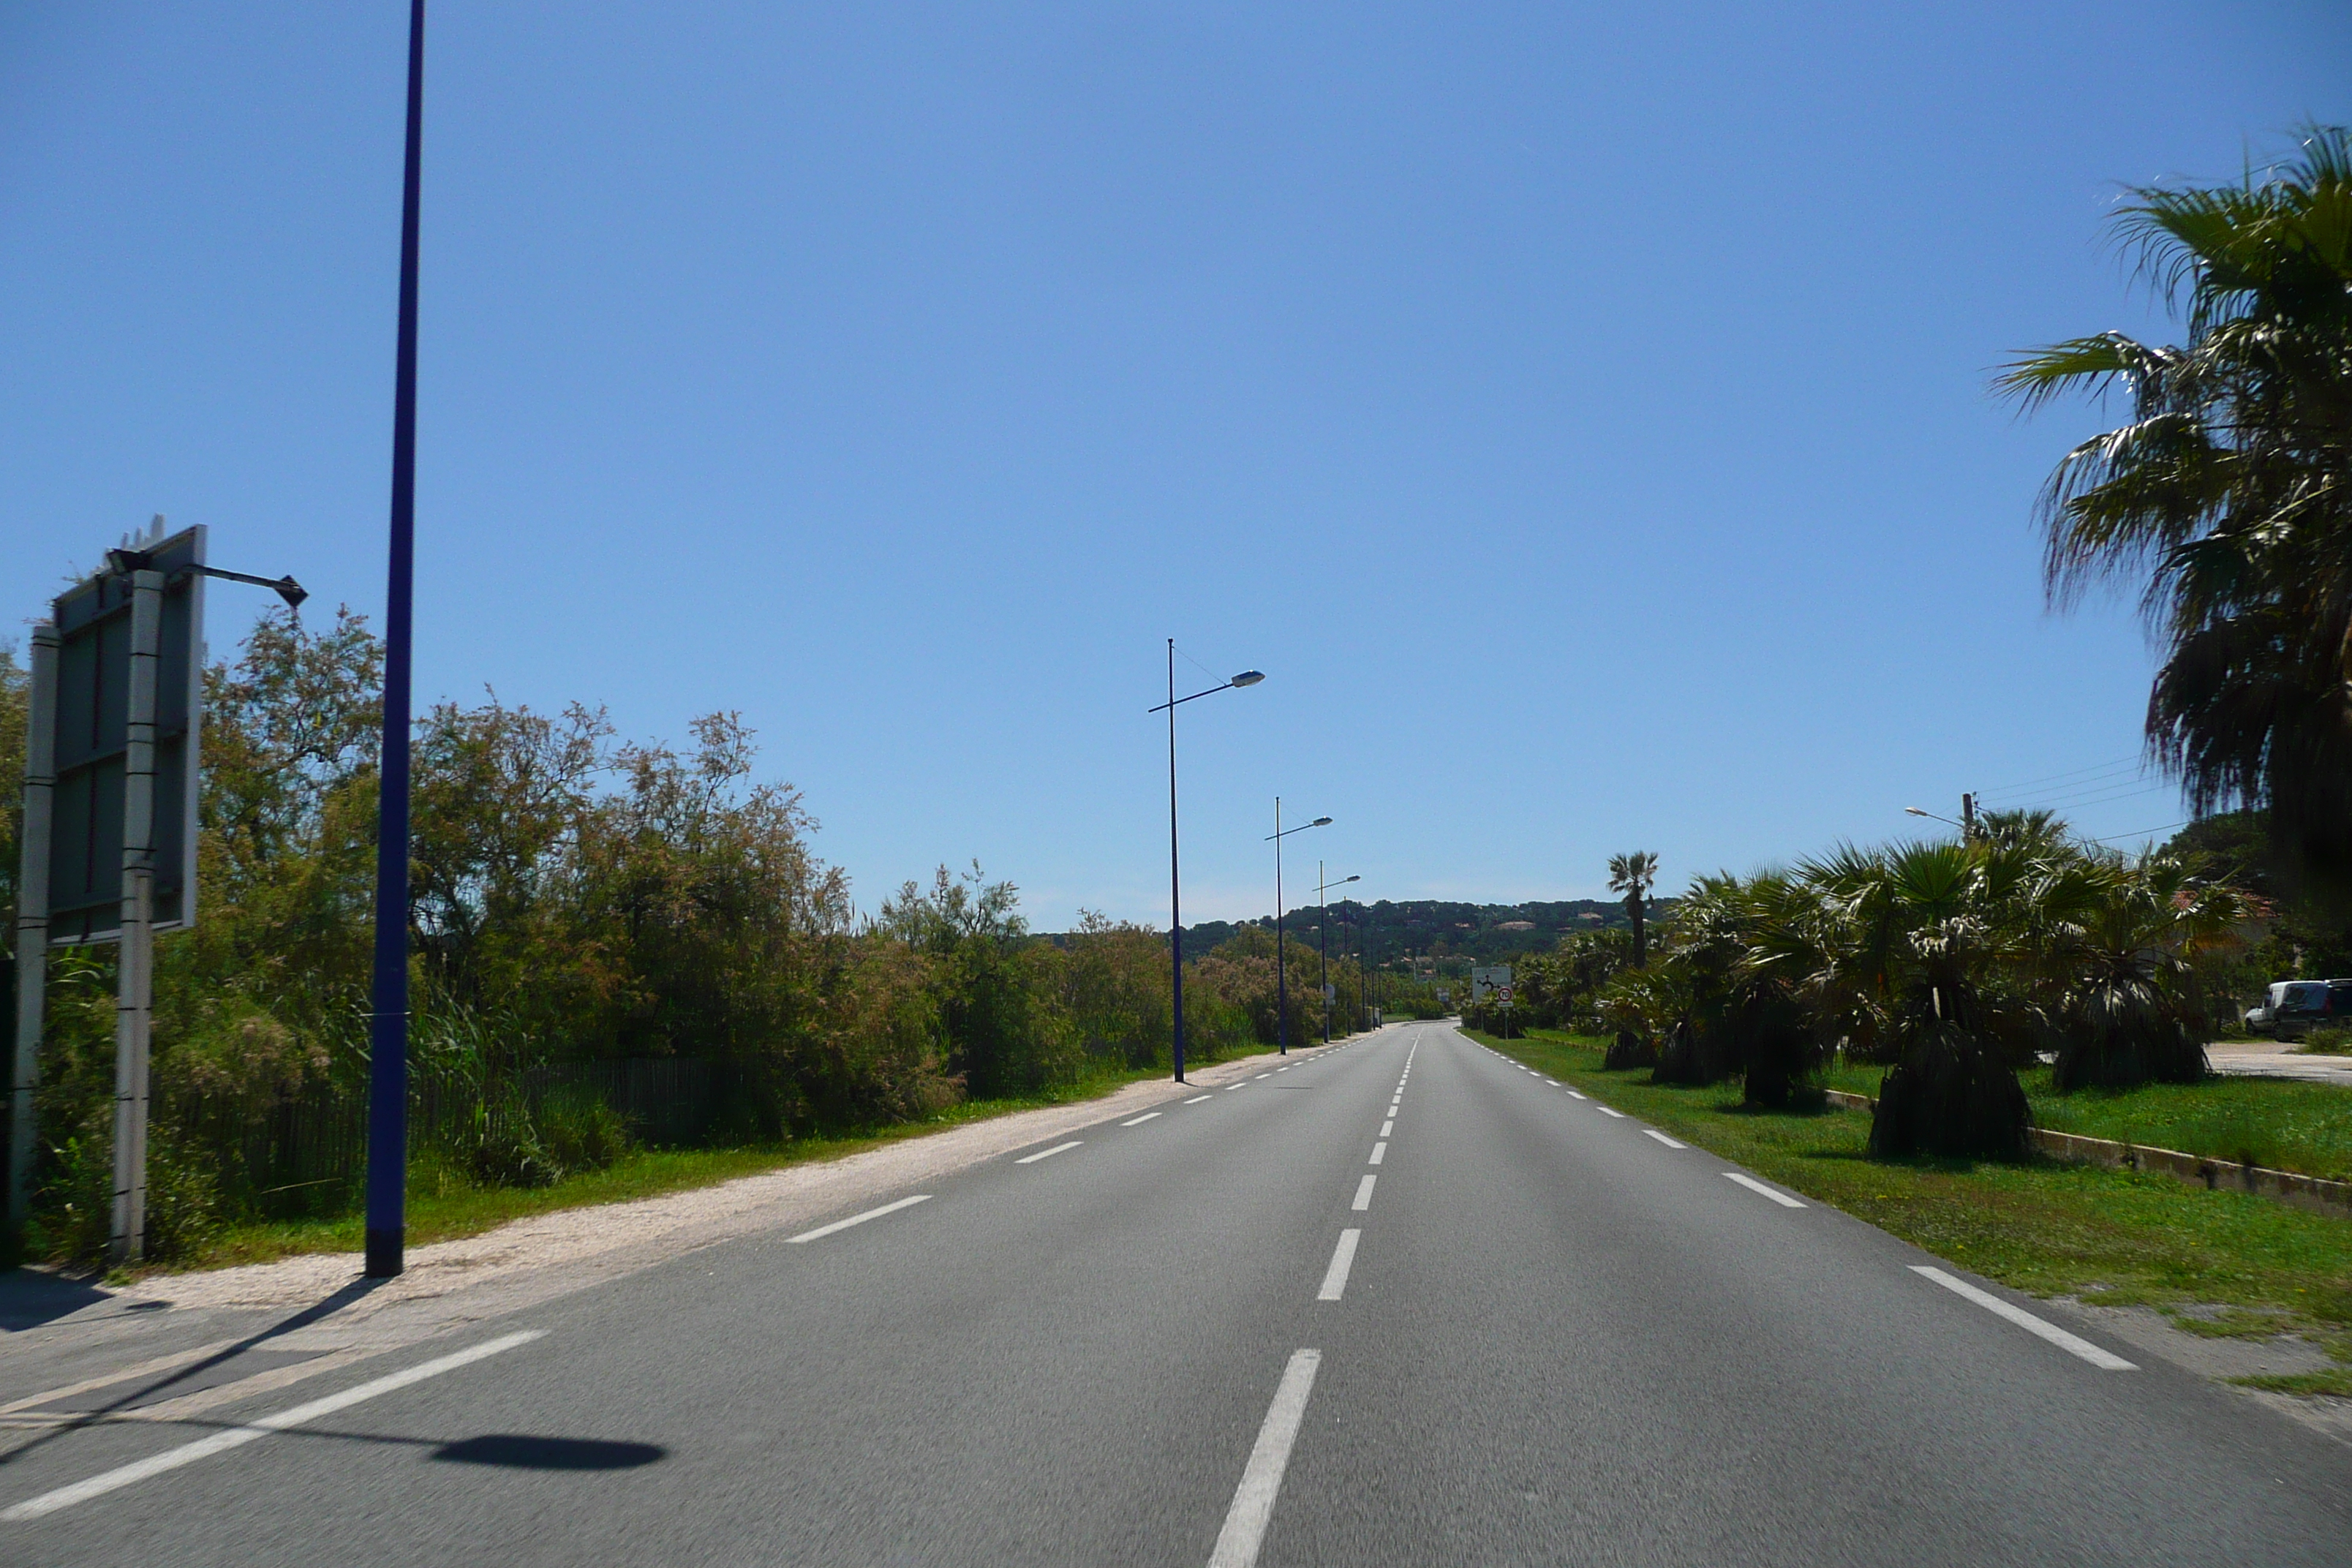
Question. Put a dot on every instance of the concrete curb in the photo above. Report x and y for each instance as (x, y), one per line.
(2283, 1186)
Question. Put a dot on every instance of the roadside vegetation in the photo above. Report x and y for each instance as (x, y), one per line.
(2215, 1263)
(582, 908)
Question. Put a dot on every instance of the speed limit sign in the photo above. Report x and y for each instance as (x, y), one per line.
(1503, 992)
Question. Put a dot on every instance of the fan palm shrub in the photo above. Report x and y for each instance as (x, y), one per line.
(2121, 965)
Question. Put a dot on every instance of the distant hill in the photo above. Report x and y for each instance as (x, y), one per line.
(1484, 934)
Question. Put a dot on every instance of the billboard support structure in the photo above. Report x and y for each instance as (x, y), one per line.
(110, 837)
(32, 918)
(134, 998)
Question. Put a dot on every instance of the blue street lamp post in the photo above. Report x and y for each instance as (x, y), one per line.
(387, 1163)
(1175, 909)
(1281, 982)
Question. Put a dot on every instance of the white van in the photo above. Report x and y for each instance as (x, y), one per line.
(2289, 1007)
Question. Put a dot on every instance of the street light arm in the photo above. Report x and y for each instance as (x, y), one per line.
(1318, 822)
(1246, 678)
(1915, 811)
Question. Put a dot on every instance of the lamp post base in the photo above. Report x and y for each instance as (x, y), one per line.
(385, 1250)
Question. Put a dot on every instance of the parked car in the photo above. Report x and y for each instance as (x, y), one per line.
(2291, 1009)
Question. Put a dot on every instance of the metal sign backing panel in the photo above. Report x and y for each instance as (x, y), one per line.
(93, 621)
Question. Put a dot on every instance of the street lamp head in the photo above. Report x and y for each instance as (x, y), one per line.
(1915, 811)
(291, 591)
(1345, 880)
(1249, 678)
(1320, 822)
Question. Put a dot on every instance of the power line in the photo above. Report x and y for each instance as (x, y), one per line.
(2140, 832)
(2072, 773)
(2102, 796)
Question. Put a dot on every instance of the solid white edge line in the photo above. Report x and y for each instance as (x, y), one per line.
(1753, 1185)
(1199, 1098)
(1343, 1257)
(1606, 1111)
(1140, 1119)
(1049, 1153)
(824, 1230)
(2073, 1344)
(1252, 1505)
(1663, 1139)
(1380, 1153)
(1364, 1194)
(238, 1437)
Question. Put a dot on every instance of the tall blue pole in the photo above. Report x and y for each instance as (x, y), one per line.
(387, 1171)
(1175, 913)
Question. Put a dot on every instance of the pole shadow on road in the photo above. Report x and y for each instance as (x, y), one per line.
(518, 1451)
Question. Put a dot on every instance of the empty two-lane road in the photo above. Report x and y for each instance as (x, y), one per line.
(1399, 1302)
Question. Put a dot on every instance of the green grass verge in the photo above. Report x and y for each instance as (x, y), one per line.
(2273, 1121)
(2112, 1238)
(444, 1206)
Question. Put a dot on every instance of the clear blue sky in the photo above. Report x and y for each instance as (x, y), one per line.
(1579, 412)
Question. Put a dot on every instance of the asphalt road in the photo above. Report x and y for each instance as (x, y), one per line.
(1555, 1338)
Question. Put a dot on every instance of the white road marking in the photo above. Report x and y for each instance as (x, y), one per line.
(1261, 1074)
(1364, 1194)
(1049, 1153)
(1140, 1119)
(238, 1436)
(1753, 1185)
(1282, 1069)
(2073, 1344)
(1343, 1257)
(1380, 1153)
(1199, 1098)
(1245, 1521)
(1663, 1139)
(1387, 1126)
(859, 1218)
(1553, 1081)
(1606, 1111)
(1574, 1095)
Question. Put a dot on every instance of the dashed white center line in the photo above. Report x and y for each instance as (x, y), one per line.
(1364, 1194)
(1661, 1138)
(1606, 1111)
(1388, 1127)
(1343, 1257)
(1049, 1153)
(238, 1437)
(2073, 1344)
(1261, 1074)
(824, 1230)
(1753, 1185)
(1199, 1098)
(1380, 1153)
(1252, 1505)
(1140, 1119)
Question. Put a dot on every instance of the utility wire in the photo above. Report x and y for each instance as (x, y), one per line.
(2057, 778)
(2141, 833)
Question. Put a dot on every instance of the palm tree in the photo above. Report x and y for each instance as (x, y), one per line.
(1632, 875)
(2228, 497)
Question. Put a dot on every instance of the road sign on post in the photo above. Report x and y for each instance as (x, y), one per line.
(96, 730)
(1486, 978)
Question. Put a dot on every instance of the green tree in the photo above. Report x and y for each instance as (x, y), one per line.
(1632, 874)
(2228, 496)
